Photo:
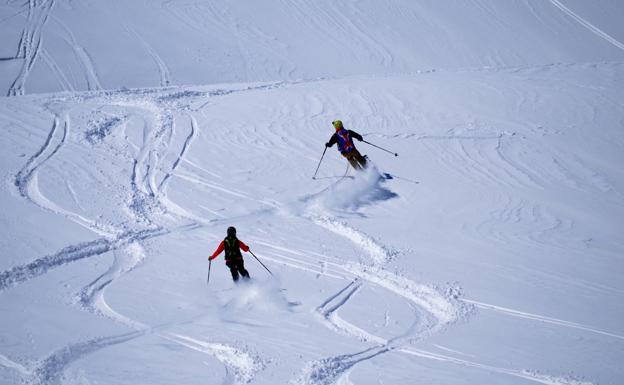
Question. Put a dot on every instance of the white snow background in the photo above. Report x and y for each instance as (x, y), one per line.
(490, 251)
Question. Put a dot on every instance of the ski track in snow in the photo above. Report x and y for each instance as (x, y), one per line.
(187, 143)
(7, 363)
(163, 70)
(540, 318)
(241, 365)
(27, 182)
(524, 374)
(592, 28)
(545, 231)
(329, 312)
(147, 185)
(441, 311)
(30, 43)
(90, 73)
(57, 71)
(91, 297)
(50, 370)
(333, 370)
(437, 310)
(72, 253)
(23, 177)
(475, 161)
(379, 254)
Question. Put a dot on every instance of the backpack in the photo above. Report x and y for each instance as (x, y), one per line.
(345, 143)
(232, 249)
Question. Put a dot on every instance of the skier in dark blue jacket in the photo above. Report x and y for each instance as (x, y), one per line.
(344, 138)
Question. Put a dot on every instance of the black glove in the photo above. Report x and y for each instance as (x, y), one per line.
(327, 144)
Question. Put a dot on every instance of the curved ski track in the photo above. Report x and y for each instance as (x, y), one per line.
(26, 180)
(49, 371)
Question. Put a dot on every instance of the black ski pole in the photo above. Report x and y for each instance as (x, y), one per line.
(381, 148)
(319, 165)
(208, 279)
(267, 269)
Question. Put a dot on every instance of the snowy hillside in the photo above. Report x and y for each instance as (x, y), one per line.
(56, 45)
(489, 251)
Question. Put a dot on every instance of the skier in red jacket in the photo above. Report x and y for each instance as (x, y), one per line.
(233, 257)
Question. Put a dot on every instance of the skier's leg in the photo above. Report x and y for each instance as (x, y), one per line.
(242, 270)
(352, 161)
(359, 158)
(233, 270)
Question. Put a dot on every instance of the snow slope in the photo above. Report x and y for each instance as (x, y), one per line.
(488, 252)
(493, 255)
(55, 45)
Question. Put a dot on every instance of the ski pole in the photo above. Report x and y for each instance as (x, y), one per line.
(267, 269)
(208, 279)
(381, 148)
(319, 165)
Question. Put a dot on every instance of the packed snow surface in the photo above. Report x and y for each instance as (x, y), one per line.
(489, 251)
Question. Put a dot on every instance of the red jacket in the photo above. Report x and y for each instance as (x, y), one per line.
(221, 247)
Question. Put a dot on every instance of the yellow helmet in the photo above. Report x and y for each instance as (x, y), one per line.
(337, 124)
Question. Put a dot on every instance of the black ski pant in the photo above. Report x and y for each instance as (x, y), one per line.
(356, 159)
(237, 266)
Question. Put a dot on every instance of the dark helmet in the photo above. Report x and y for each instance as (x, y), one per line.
(231, 231)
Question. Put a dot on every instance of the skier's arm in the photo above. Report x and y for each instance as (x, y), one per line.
(356, 135)
(243, 246)
(218, 251)
(332, 141)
